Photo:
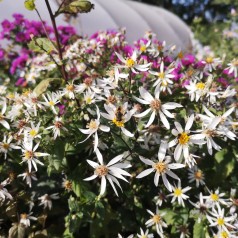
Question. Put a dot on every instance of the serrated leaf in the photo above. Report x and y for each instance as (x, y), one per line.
(41, 45)
(30, 5)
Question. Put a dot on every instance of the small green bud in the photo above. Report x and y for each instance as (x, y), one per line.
(30, 5)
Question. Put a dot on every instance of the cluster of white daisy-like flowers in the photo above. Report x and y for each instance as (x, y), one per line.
(135, 115)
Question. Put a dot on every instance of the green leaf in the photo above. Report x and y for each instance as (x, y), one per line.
(79, 6)
(41, 45)
(30, 5)
(199, 230)
(43, 85)
(220, 155)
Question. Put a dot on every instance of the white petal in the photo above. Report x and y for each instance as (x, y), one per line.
(152, 118)
(103, 185)
(178, 127)
(5, 124)
(112, 184)
(162, 150)
(156, 179)
(115, 160)
(145, 173)
(166, 182)
(189, 122)
(99, 156)
(126, 132)
(146, 161)
(141, 100)
(93, 164)
(91, 177)
(143, 113)
(177, 152)
(104, 128)
(164, 120)
(95, 141)
(145, 94)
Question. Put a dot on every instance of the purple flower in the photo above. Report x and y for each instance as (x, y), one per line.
(2, 54)
(7, 26)
(20, 82)
(188, 59)
(19, 62)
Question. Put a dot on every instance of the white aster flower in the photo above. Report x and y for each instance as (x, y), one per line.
(33, 104)
(25, 219)
(179, 193)
(157, 220)
(211, 63)
(163, 81)
(51, 100)
(69, 91)
(30, 155)
(217, 218)
(131, 63)
(30, 133)
(2, 117)
(89, 85)
(119, 116)
(3, 191)
(196, 175)
(93, 127)
(145, 234)
(57, 127)
(233, 67)
(46, 200)
(28, 176)
(120, 236)
(229, 92)
(156, 107)
(111, 171)
(161, 168)
(183, 139)
(6, 145)
(216, 198)
(202, 207)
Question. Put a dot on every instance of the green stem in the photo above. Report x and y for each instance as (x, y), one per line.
(57, 39)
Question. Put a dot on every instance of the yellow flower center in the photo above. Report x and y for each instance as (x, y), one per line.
(93, 125)
(160, 167)
(6, 146)
(11, 96)
(220, 221)
(33, 132)
(164, 83)
(143, 48)
(144, 236)
(198, 174)
(118, 123)
(156, 218)
(214, 197)
(200, 86)
(224, 234)
(209, 59)
(28, 154)
(51, 103)
(68, 185)
(130, 63)
(88, 100)
(1, 117)
(160, 47)
(180, 55)
(23, 216)
(101, 170)
(183, 138)
(70, 87)
(161, 75)
(155, 104)
(178, 192)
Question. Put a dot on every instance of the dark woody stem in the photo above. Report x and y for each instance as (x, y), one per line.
(57, 40)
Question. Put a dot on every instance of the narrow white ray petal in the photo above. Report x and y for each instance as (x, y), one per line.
(143, 113)
(145, 173)
(227, 113)
(107, 116)
(104, 128)
(172, 143)
(103, 185)
(145, 95)
(146, 161)
(208, 112)
(90, 178)
(166, 183)
(152, 118)
(120, 58)
(215, 121)
(177, 152)
(171, 105)
(172, 174)
(5, 124)
(164, 120)
(85, 131)
(156, 179)
(95, 141)
(185, 151)
(93, 164)
(141, 100)
(126, 132)
(176, 166)
(162, 150)
(178, 127)
(189, 122)
(112, 184)
(99, 156)
(115, 160)
(167, 113)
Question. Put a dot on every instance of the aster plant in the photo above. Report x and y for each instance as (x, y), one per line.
(84, 116)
